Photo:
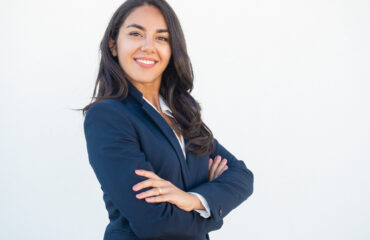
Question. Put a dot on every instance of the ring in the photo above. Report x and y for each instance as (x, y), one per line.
(160, 191)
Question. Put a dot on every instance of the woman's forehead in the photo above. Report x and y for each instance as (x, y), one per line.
(148, 17)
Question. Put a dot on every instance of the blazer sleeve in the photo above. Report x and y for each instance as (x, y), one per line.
(114, 154)
(228, 190)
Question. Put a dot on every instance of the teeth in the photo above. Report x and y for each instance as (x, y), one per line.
(145, 61)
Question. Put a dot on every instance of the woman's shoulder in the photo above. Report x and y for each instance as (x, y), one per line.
(112, 109)
(106, 103)
(108, 117)
(109, 104)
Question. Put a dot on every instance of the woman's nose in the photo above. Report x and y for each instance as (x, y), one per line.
(147, 45)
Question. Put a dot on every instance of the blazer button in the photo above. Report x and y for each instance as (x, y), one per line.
(220, 212)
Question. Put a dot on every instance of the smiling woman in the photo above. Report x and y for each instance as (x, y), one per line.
(163, 174)
(142, 46)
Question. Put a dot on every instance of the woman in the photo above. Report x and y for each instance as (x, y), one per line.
(158, 164)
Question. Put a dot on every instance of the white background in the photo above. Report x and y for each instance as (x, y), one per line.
(284, 85)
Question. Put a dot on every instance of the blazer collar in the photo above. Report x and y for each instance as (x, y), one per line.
(135, 93)
(165, 129)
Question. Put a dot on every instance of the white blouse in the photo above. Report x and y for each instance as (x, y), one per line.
(166, 110)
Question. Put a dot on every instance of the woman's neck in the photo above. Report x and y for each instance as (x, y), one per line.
(150, 91)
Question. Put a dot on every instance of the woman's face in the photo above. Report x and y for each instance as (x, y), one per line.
(142, 46)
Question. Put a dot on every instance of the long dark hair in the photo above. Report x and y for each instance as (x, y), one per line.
(176, 83)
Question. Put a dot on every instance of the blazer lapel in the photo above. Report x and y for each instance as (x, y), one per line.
(165, 129)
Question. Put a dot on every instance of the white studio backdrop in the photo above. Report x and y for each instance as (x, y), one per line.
(284, 85)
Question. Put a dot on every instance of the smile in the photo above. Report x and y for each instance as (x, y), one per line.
(145, 62)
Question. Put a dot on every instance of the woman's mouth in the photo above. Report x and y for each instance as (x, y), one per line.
(145, 62)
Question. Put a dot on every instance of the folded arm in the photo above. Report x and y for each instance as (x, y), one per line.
(228, 190)
(114, 154)
(206, 213)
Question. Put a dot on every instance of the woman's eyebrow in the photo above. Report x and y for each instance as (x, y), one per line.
(142, 28)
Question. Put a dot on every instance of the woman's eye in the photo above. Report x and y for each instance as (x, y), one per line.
(134, 34)
(163, 39)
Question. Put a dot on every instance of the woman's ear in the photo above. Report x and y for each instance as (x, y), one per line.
(112, 47)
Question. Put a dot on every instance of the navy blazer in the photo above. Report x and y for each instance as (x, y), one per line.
(125, 135)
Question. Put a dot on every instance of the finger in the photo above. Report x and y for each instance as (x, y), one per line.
(215, 165)
(148, 183)
(220, 167)
(145, 173)
(223, 170)
(211, 170)
(156, 199)
(210, 163)
(152, 192)
(210, 173)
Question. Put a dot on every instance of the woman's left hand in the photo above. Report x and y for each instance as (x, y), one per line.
(163, 191)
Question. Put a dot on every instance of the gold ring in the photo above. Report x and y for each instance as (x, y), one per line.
(160, 190)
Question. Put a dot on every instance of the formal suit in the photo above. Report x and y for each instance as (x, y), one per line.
(126, 135)
(166, 110)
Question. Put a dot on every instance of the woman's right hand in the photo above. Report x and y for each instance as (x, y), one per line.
(216, 167)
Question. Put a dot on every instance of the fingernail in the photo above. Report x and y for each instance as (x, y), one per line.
(224, 160)
(226, 167)
(137, 171)
(134, 187)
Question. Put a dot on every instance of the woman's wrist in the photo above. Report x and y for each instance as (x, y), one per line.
(196, 203)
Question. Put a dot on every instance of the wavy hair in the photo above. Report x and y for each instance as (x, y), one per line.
(176, 83)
